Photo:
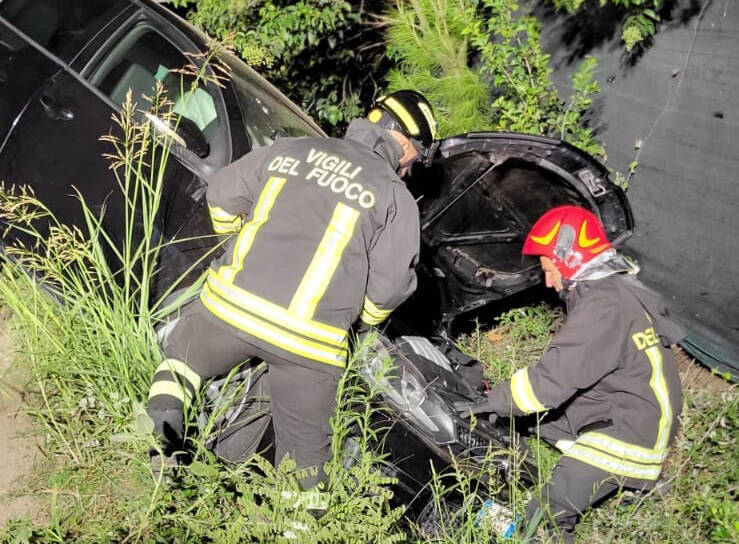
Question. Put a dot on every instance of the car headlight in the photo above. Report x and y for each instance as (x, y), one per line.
(404, 388)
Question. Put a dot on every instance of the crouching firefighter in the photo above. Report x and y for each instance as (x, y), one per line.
(607, 385)
(324, 232)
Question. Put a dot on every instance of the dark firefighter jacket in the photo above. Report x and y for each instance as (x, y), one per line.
(326, 232)
(610, 369)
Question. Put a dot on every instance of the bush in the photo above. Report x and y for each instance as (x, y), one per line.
(640, 20)
(508, 87)
(324, 54)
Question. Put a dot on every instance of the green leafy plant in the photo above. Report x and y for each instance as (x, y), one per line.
(322, 53)
(526, 99)
(641, 20)
(427, 40)
(520, 336)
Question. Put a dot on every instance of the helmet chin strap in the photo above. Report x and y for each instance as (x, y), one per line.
(567, 285)
(424, 155)
(407, 164)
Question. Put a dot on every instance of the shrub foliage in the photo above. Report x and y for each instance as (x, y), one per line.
(640, 21)
(324, 53)
(482, 67)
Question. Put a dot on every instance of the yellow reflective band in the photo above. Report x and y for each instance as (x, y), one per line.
(523, 394)
(659, 386)
(245, 240)
(171, 389)
(430, 119)
(403, 114)
(583, 239)
(224, 222)
(622, 450)
(547, 238)
(181, 369)
(277, 314)
(613, 464)
(325, 261)
(564, 445)
(263, 330)
(219, 214)
(219, 229)
(374, 115)
(371, 314)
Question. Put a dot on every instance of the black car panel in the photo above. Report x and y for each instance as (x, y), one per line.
(58, 132)
(23, 69)
(61, 27)
(479, 197)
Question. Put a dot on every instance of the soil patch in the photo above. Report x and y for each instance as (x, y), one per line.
(20, 439)
(697, 377)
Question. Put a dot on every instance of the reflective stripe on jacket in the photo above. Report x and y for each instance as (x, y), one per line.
(610, 369)
(325, 232)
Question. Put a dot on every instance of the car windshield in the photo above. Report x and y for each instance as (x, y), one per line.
(267, 114)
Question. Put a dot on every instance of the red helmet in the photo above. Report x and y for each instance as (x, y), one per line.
(569, 235)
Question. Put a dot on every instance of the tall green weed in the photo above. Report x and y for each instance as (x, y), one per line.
(428, 42)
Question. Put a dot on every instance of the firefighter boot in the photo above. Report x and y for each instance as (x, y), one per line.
(169, 427)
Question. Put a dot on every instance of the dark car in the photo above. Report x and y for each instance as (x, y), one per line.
(66, 66)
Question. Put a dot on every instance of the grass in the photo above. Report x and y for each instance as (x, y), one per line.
(86, 334)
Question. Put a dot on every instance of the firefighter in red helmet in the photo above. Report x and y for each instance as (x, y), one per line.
(606, 389)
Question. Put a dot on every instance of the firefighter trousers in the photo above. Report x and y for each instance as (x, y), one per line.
(302, 398)
(573, 487)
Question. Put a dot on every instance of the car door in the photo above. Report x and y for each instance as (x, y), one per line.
(23, 68)
(478, 200)
(151, 48)
(37, 39)
(58, 154)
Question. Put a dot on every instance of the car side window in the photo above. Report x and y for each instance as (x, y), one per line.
(143, 58)
(267, 114)
(60, 26)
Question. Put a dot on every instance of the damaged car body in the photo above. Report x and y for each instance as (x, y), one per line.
(418, 390)
(478, 199)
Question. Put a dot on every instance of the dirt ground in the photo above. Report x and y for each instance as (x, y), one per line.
(21, 441)
(696, 376)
